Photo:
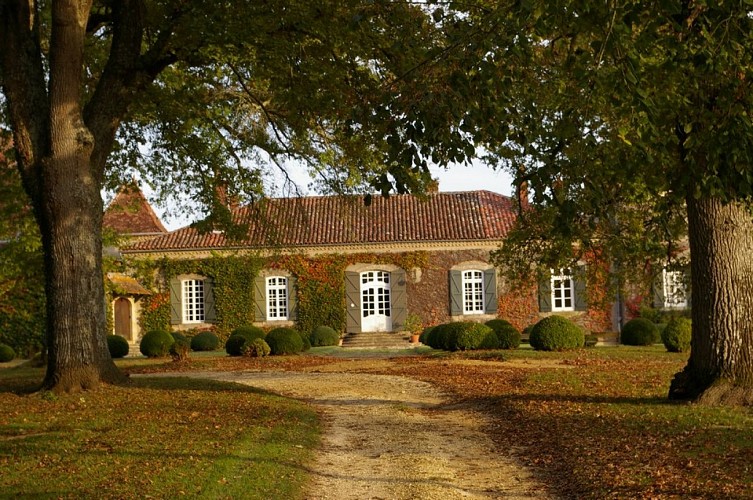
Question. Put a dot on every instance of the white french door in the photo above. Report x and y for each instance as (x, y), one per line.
(375, 302)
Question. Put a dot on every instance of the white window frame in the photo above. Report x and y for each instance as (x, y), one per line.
(675, 289)
(474, 295)
(562, 281)
(276, 290)
(193, 292)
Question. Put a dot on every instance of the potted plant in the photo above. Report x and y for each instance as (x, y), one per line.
(414, 325)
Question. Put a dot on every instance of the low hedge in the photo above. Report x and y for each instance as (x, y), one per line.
(470, 336)
(677, 334)
(156, 344)
(639, 331)
(437, 336)
(507, 335)
(284, 341)
(7, 353)
(118, 346)
(205, 341)
(257, 348)
(178, 336)
(556, 333)
(241, 335)
(324, 336)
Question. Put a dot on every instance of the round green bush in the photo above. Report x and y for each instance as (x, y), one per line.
(555, 333)
(424, 337)
(205, 341)
(249, 331)
(639, 331)
(284, 341)
(305, 341)
(507, 335)
(256, 348)
(469, 336)
(118, 346)
(324, 335)
(233, 344)
(7, 353)
(156, 344)
(676, 335)
(438, 337)
(178, 336)
(180, 349)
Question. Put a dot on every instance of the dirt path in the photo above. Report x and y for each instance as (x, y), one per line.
(390, 437)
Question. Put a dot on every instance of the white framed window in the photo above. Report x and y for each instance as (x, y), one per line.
(277, 298)
(563, 290)
(675, 289)
(473, 292)
(193, 301)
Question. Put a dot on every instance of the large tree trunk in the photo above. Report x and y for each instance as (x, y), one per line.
(720, 368)
(69, 211)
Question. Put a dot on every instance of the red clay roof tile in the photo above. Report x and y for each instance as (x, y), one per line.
(337, 220)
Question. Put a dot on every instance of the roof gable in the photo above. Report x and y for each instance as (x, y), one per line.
(338, 220)
(129, 213)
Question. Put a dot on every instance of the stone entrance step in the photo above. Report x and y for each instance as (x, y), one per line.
(374, 340)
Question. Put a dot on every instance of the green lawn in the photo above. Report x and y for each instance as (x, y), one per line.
(162, 437)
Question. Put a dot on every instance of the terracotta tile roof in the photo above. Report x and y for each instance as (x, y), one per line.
(125, 285)
(130, 214)
(334, 220)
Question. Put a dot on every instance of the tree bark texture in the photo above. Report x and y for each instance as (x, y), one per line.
(71, 220)
(720, 368)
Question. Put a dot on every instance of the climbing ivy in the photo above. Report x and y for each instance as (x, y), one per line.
(320, 282)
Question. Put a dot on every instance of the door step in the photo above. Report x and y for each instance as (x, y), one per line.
(377, 340)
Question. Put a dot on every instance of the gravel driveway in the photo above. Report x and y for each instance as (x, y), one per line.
(388, 437)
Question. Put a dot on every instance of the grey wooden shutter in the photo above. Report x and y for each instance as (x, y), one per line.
(176, 300)
(260, 298)
(292, 299)
(658, 291)
(352, 302)
(456, 293)
(490, 291)
(545, 294)
(581, 297)
(210, 312)
(399, 297)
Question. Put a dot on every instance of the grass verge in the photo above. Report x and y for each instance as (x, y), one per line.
(160, 438)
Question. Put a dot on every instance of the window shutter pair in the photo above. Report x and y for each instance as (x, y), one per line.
(580, 299)
(456, 292)
(260, 298)
(176, 301)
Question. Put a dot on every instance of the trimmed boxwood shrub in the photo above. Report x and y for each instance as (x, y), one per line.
(639, 331)
(233, 344)
(156, 344)
(118, 346)
(180, 349)
(556, 333)
(469, 336)
(323, 336)
(256, 348)
(676, 335)
(178, 336)
(284, 341)
(424, 337)
(507, 335)
(249, 331)
(305, 341)
(205, 341)
(438, 337)
(7, 353)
